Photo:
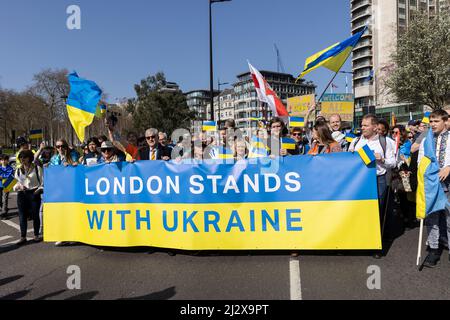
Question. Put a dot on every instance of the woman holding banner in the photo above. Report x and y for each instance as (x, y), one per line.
(65, 156)
(28, 187)
(323, 141)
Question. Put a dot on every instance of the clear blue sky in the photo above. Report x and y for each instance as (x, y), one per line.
(122, 42)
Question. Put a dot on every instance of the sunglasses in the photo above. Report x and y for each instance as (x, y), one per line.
(107, 150)
(150, 137)
(296, 134)
(60, 146)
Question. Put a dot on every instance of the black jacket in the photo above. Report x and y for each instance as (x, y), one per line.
(144, 153)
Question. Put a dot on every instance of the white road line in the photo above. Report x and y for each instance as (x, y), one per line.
(5, 238)
(295, 280)
(15, 226)
(12, 242)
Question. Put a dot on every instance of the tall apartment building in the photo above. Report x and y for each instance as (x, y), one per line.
(198, 101)
(246, 104)
(225, 103)
(387, 19)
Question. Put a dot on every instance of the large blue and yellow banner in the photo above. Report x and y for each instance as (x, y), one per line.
(325, 202)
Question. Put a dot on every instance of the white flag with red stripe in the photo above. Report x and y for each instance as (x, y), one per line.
(266, 94)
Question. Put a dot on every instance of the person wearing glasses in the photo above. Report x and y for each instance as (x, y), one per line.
(29, 183)
(109, 154)
(154, 150)
(301, 141)
(64, 155)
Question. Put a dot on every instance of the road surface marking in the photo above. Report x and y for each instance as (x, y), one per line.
(295, 280)
(12, 242)
(5, 238)
(15, 226)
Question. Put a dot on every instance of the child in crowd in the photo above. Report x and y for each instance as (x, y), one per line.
(6, 183)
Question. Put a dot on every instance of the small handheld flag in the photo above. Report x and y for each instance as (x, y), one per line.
(257, 153)
(426, 119)
(82, 103)
(367, 155)
(209, 126)
(288, 143)
(8, 184)
(349, 137)
(296, 122)
(36, 134)
(225, 153)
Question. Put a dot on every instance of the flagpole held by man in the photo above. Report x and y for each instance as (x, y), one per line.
(432, 190)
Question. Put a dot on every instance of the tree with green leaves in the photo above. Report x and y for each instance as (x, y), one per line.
(156, 108)
(422, 59)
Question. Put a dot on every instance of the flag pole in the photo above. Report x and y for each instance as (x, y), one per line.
(419, 247)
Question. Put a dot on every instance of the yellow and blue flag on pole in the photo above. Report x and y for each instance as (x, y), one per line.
(225, 153)
(430, 194)
(426, 118)
(296, 122)
(367, 155)
(100, 111)
(209, 126)
(349, 137)
(258, 149)
(332, 57)
(36, 134)
(82, 103)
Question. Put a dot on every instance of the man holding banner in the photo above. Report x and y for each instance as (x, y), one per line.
(385, 158)
(154, 150)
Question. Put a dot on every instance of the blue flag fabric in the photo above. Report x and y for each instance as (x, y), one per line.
(430, 194)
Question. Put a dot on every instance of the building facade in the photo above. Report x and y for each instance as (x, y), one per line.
(372, 63)
(246, 104)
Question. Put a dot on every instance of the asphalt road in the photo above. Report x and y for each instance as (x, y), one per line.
(39, 271)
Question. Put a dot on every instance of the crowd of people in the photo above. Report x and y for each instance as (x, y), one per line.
(397, 151)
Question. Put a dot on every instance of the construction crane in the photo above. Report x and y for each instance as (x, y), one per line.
(280, 66)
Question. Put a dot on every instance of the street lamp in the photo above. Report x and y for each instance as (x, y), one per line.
(220, 84)
(211, 68)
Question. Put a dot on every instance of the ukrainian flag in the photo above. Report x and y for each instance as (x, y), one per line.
(36, 134)
(258, 143)
(333, 57)
(288, 144)
(225, 153)
(349, 137)
(8, 184)
(209, 126)
(367, 155)
(426, 119)
(257, 153)
(430, 194)
(296, 122)
(82, 103)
